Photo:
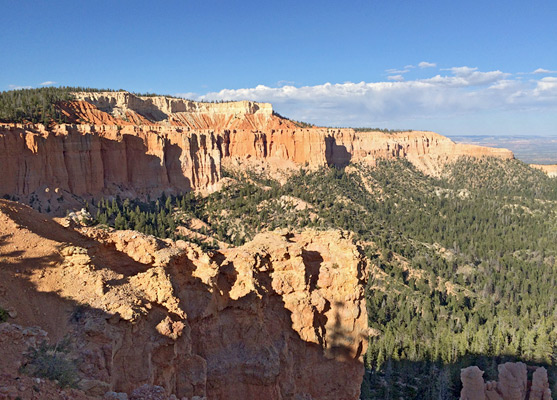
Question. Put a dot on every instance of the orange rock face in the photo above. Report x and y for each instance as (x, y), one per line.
(282, 317)
(120, 143)
(84, 159)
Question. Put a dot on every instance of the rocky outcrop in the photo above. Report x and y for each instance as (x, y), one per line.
(161, 108)
(282, 317)
(117, 142)
(512, 385)
(15, 343)
(540, 385)
(549, 169)
(124, 108)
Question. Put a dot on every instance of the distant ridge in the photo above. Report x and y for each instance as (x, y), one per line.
(532, 149)
(121, 143)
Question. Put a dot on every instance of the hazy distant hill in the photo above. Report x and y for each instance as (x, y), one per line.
(530, 149)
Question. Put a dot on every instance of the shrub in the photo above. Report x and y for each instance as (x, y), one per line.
(3, 315)
(52, 362)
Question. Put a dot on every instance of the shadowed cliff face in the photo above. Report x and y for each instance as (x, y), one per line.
(121, 143)
(282, 317)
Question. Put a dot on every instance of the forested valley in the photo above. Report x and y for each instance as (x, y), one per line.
(463, 265)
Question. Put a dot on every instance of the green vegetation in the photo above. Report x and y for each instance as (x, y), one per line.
(302, 124)
(299, 124)
(52, 362)
(369, 129)
(3, 315)
(32, 105)
(465, 264)
(154, 218)
(37, 105)
(384, 130)
(159, 218)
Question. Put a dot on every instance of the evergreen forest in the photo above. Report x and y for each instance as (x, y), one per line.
(37, 105)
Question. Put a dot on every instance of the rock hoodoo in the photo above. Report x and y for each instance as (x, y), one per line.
(512, 385)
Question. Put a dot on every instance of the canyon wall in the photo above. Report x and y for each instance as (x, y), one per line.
(282, 317)
(116, 142)
(85, 159)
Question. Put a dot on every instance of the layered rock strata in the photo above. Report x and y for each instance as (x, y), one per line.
(117, 142)
(282, 317)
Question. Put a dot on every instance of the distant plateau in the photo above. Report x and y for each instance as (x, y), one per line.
(529, 149)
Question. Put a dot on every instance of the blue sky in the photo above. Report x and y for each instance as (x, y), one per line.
(454, 67)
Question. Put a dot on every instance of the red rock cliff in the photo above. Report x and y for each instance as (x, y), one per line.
(119, 142)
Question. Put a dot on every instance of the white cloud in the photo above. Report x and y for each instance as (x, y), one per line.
(425, 64)
(462, 91)
(466, 76)
(397, 71)
(544, 71)
(506, 84)
(187, 95)
(461, 71)
(546, 86)
(17, 87)
(284, 83)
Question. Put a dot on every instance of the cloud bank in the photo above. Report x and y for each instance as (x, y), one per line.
(455, 92)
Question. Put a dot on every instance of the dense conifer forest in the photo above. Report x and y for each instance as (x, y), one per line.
(464, 266)
(37, 105)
